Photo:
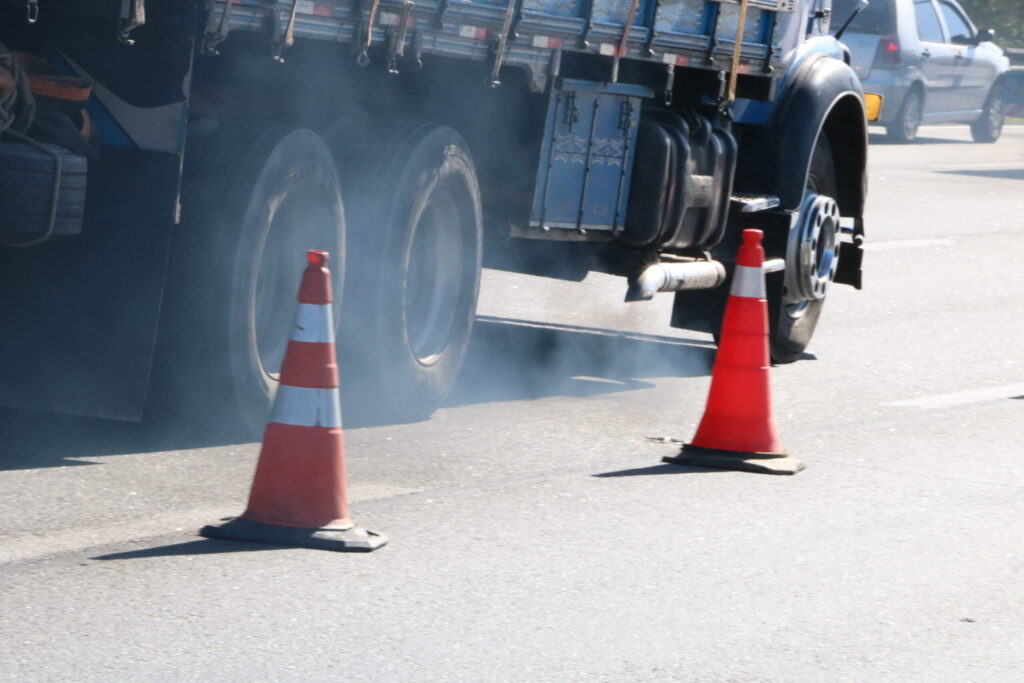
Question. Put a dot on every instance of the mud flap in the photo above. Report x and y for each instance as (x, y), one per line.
(851, 258)
(79, 315)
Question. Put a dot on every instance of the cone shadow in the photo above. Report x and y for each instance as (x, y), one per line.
(204, 546)
(655, 470)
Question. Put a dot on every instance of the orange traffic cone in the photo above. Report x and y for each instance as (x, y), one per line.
(298, 495)
(737, 431)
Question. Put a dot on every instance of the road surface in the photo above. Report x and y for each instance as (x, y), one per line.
(535, 534)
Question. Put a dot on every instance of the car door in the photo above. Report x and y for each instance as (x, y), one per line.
(937, 64)
(973, 73)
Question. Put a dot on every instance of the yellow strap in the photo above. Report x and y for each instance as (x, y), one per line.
(737, 48)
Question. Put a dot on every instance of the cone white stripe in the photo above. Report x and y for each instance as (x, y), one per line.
(313, 323)
(748, 281)
(305, 407)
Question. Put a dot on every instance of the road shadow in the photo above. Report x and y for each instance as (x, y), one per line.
(656, 470)
(511, 360)
(1005, 173)
(507, 360)
(30, 439)
(880, 139)
(203, 546)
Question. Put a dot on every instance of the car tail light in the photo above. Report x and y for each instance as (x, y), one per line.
(889, 53)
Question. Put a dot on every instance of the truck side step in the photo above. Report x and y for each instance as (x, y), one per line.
(752, 203)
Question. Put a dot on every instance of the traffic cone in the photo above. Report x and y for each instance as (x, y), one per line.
(737, 431)
(298, 495)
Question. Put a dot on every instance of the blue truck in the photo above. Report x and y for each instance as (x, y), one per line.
(158, 244)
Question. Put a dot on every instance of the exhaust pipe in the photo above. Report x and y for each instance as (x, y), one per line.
(675, 276)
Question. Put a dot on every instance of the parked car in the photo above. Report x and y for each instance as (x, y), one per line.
(929, 63)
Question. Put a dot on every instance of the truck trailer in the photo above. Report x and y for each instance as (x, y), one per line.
(165, 164)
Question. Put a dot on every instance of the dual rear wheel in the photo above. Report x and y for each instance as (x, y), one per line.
(405, 261)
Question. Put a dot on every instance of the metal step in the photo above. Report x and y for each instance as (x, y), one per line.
(753, 203)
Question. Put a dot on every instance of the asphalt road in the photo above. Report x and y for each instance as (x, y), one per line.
(534, 534)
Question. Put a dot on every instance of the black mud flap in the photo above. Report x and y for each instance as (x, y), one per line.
(851, 258)
(78, 316)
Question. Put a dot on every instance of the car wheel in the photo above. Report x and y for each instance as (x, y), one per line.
(797, 295)
(989, 125)
(256, 197)
(415, 246)
(904, 129)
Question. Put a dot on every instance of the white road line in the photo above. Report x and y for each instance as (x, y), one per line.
(959, 398)
(910, 244)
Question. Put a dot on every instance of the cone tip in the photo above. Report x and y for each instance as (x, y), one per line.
(752, 237)
(317, 259)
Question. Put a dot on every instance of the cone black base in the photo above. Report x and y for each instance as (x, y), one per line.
(743, 461)
(354, 540)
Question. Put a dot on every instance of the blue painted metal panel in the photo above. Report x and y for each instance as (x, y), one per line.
(587, 156)
(679, 32)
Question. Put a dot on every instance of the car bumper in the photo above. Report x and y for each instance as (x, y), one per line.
(892, 87)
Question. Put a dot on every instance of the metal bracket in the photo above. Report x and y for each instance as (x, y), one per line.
(670, 83)
(363, 59)
(286, 39)
(499, 51)
(212, 39)
(652, 32)
(441, 11)
(588, 27)
(32, 11)
(136, 18)
(397, 50)
(709, 57)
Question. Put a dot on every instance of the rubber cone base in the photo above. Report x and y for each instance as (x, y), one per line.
(354, 540)
(759, 463)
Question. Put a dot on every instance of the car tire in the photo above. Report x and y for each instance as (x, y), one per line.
(989, 125)
(903, 129)
(415, 247)
(792, 317)
(256, 197)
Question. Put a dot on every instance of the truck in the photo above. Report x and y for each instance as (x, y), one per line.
(165, 164)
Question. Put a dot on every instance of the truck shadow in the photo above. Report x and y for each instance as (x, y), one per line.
(516, 359)
(507, 360)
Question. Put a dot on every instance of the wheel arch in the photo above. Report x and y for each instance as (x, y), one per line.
(824, 97)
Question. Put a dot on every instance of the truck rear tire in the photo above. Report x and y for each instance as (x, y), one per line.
(415, 247)
(256, 197)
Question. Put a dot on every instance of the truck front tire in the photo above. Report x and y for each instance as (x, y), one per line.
(257, 196)
(793, 316)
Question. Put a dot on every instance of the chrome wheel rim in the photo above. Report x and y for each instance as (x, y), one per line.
(434, 280)
(812, 253)
(279, 271)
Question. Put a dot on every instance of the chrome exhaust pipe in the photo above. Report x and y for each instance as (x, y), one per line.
(675, 276)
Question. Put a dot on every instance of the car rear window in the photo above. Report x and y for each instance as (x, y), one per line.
(878, 18)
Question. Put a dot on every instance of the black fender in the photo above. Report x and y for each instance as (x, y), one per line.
(823, 97)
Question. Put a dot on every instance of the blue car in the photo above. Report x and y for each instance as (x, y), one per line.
(929, 63)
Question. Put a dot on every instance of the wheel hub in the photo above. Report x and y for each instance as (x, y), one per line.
(813, 250)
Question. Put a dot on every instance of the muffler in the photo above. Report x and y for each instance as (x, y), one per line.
(675, 276)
